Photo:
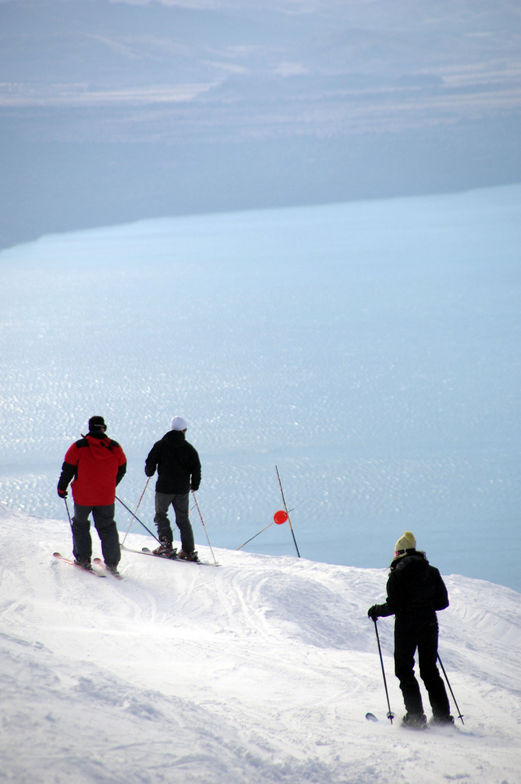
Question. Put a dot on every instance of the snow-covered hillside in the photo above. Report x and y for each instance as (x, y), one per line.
(260, 670)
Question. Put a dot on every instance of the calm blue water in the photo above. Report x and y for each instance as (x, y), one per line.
(369, 350)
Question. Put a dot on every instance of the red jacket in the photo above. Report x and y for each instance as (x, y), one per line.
(96, 465)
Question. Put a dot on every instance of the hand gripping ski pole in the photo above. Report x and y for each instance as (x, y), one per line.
(204, 526)
(135, 510)
(390, 714)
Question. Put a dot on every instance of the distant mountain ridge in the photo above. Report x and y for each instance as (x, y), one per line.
(114, 111)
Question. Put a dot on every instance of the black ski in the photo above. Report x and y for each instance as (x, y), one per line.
(149, 552)
(176, 558)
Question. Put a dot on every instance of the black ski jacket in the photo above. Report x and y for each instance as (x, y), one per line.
(414, 588)
(177, 462)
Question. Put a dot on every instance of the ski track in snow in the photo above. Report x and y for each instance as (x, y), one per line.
(259, 670)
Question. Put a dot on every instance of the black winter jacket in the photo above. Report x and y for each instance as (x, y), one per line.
(177, 462)
(414, 587)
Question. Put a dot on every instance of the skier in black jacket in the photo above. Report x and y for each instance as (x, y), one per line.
(415, 590)
(179, 471)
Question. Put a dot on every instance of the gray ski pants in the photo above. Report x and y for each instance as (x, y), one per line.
(180, 503)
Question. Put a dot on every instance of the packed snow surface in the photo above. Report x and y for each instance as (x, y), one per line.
(259, 670)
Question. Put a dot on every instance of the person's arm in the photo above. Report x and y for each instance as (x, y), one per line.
(195, 472)
(152, 460)
(68, 472)
(441, 596)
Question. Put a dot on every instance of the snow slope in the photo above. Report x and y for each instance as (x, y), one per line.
(260, 670)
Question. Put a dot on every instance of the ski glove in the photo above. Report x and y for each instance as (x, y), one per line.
(62, 493)
(373, 612)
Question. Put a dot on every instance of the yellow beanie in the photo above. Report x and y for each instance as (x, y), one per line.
(406, 541)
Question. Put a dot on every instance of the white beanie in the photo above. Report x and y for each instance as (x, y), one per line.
(406, 541)
(178, 423)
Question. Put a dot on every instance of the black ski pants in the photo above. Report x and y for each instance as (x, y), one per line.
(103, 517)
(413, 633)
(180, 503)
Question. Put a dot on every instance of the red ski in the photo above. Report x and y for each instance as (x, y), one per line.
(78, 566)
(103, 565)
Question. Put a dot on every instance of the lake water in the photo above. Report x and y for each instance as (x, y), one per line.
(369, 350)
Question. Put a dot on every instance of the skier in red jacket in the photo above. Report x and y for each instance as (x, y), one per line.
(95, 464)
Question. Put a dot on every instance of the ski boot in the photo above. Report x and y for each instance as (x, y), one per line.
(84, 563)
(415, 721)
(165, 549)
(441, 721)
(184, 556)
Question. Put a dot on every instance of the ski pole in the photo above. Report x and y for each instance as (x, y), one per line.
(68, 513)
(460, 715)
(137, 518)
(254, 536)
(204, 526)
(390, 714)
(287, 511)
(135, 510)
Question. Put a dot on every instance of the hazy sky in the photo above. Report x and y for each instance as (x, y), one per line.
(111, 111)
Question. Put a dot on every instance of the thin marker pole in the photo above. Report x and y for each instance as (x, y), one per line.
(287, 511)
(255, 535)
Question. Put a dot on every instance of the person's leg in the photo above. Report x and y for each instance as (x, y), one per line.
(180, 502)
(164, 530)
(108, 533)
(404, 649)
(81, 539)
(429, 673)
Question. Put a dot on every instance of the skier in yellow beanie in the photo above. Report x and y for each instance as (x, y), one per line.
(415, 591)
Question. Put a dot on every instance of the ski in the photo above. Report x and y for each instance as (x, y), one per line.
(171, 557)
(99, 562)
(176, 558)
(428, 726)
(148, 551)
(372, 717)
(78, 566)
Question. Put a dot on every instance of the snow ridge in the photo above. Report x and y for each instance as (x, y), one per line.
(260, 670)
